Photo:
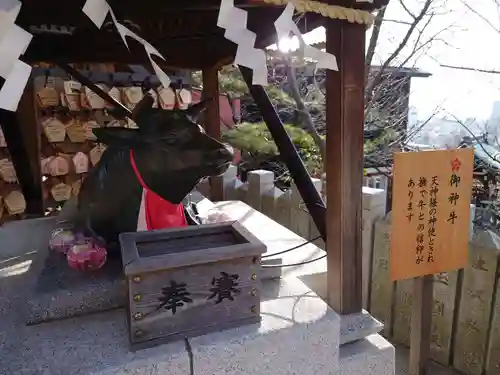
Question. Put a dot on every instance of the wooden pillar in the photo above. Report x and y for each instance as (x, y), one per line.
(344, 164)
(211, 122)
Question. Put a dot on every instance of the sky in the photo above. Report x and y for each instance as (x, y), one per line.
(464, 40)
(469, 42)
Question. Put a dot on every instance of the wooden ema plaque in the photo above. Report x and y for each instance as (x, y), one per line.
(166, 98)
(71, 101)
(185, 98)
(15, 203)
(116, 94)
(430, 212)
(115, 124)
(131, 124)
(72, 87)
(75, 187)
(48, 97)
(132, 96)
(93, 100)
(76, 132)
(96, 153)
(54, 130)
(189, 281)
(58, 166)
(88, 126)
(7, 171)
(154, 95)
(71, 95)
(3, 143)
(61, 192)
(81, 163)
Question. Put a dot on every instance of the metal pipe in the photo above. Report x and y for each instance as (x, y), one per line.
(288, 152)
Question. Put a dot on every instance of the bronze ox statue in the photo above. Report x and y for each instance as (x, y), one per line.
(162, 160)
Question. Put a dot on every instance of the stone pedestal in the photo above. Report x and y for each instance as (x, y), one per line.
(62, 292)
(299, 333)
(56, 291)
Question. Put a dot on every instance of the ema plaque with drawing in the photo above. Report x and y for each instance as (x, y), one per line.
(430, 212)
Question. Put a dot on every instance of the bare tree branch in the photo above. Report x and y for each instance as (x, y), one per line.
(305, 115)
(376, 80)
(377, 25)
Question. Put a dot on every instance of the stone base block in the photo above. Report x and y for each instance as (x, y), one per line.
(61, 292)
(355, 327)
(56, 290)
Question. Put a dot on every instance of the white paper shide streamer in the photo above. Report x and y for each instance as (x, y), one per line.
(284, 26)
(13, 43)
(234, 21)
(97, 10)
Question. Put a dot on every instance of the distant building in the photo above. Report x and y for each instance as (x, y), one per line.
(392, 95)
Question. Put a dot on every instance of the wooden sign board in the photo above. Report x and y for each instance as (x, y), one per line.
(430, 212)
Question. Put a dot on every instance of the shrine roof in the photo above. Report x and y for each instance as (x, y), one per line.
(185, 32)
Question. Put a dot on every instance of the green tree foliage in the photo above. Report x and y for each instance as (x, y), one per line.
(231, 83)
(257, 146)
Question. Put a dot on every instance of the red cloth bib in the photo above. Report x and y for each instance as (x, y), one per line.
(158, 212)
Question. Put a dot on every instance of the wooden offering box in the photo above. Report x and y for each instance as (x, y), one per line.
(190, 281)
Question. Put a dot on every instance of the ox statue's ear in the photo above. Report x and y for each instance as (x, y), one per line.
(142, 109)
(115, 135)
(197, 109)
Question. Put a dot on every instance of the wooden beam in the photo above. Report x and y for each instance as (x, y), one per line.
(344, 164)
(211, 122)
(114, 78)
(196, 54)
(288, 153)
(28, 121)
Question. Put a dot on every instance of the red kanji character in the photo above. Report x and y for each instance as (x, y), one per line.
(455, 165)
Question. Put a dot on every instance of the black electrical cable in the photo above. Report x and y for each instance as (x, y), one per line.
(292, 248)
(294, 264)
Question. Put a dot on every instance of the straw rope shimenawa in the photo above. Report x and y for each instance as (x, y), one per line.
(330, 11)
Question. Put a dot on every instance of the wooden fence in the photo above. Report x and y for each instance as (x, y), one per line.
(466, 315)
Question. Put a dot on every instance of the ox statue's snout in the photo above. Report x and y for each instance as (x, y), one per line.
(221, 158)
